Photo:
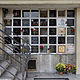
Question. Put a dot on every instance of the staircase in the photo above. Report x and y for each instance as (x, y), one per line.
(13, 66)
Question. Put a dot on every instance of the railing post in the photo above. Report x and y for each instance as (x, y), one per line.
(23, 65)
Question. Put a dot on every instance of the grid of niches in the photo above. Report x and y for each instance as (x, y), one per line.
(48, 31)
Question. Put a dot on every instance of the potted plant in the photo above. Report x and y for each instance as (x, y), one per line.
(60, 68)
(74, 70)
(69, 69)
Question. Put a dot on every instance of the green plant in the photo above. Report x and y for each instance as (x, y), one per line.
(60, 67)
(70, 68)
(74, 70)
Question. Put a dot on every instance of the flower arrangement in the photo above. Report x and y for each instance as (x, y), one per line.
(60, 67)
(70, 68)
(66, 68)
(41, 48)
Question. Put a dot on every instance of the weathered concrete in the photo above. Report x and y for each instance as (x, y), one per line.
(47, 62)
(31, 76)
(1, 21)
(78, 40)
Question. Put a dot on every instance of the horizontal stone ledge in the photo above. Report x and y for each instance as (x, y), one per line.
(38, 2)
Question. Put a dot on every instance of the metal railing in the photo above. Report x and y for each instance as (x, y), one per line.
(10, 47)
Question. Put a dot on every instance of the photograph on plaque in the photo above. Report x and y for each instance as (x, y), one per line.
(70, 40)
(8, 14)
(34, 49)
(62, 22)
(61, 40)
(43, 49)
(52, 48)
(34, 40)
(16, 13)
(52, 31)
(61, 31)
(61, 48)
(70, 49)
(8, 22)
(43, 31)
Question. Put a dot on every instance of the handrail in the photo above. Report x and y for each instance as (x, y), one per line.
(10, 55)
(10, 72)
(16, 35)
(10, 37)
(29, 54)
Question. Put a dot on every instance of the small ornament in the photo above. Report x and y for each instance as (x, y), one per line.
(41, 48)
(33, 29)
(22, 30)
(72, 30)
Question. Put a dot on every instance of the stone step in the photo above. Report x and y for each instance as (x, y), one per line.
(7, 75)
(4, 64)
(19, 75)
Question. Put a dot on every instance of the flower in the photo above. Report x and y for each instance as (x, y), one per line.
(60, 67)
(70, 68)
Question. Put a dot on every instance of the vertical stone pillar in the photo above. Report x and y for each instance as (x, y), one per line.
(78, 40)
(1, 21)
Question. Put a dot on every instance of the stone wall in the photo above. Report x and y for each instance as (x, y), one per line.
(47, 63)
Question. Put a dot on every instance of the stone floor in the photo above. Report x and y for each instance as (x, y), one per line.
(33, 75)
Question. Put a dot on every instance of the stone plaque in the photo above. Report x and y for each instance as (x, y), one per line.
(70, 49)
(61, 48)
(62, 22)
(61, 31)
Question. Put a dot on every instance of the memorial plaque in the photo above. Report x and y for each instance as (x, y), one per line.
(43, 40)
(16, 31)
(25, 22)
(34, 49)
(70, 31)
(26, 39)
(62, 31)
(52, 40)
(36, 32)
(62, 22)
(52, 31)
(34, 40)
(52, 13)
(52, 49)
(61, 40)
(43, 13)
(16, 13)
(16, 22)
(8, 40)
(43, 31)
(26, 13)
(52, 22)
(8, 22)
(26, 31)
(34, 13)
(61, 48)
(70, 49)
(17, 40)
(70, 13)
(43, 22)
(43, 49)
(70, 40)
(34, 22)
(70, 22)
(8, 31)
(61, 13)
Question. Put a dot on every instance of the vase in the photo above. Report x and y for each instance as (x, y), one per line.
(61, 73)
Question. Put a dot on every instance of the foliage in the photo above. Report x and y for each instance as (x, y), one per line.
(70, 68)
(60, 67)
